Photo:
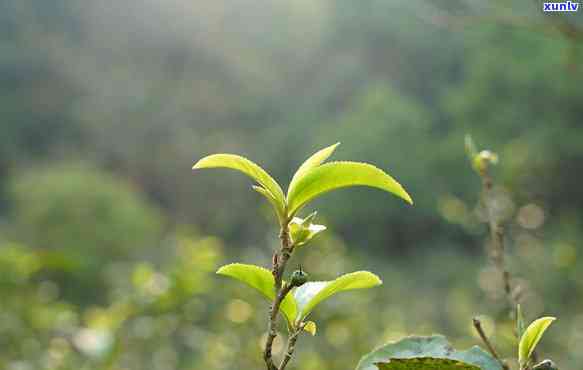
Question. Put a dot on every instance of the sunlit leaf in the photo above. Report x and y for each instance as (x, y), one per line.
(261, 280)
(426, 353)
(303, 230)
(311, 294)
(311, 327)
(335, 175)
(247, 167)
(532, 335)
(315, 160)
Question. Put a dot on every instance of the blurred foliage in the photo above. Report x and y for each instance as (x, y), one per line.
(80, 219)
(80, 208)
(107, 257)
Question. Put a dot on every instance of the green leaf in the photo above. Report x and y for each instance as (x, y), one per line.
(314, 161)
(426, 353)
(250, 169)
(311, 294)
(311, 328)
(532, 335)
(336, 175)
(425, 363)
(261, 280)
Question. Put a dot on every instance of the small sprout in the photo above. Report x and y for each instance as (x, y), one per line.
(480, 160)
(299, 278)
(545, 365)
(483, 160)
(310, 327)
(303, 230)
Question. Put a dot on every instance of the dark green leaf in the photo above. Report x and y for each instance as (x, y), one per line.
(423, 348)
(425, 363)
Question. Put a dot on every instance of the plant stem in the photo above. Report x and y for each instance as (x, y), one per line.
(497, 236)
(291, 345)
(491, 349)
(280, 259)
(497, 255)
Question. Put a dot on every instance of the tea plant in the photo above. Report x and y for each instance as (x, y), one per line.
(528, 338)
(434, 352)
(296, 297)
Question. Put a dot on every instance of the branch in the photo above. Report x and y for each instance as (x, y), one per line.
(478, 327)
(280, 259)
(497, 236)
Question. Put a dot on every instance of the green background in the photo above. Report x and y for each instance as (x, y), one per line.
(109, 243)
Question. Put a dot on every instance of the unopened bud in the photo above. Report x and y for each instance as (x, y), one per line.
(298, 278)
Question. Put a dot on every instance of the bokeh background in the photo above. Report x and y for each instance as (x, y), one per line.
(108, 242)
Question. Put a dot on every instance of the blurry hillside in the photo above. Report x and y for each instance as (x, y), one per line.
(108, 242)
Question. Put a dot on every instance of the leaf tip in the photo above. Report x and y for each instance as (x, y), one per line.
(201, 163)
(407, 197)
(403, 194)
(378, 281)
(224, 270)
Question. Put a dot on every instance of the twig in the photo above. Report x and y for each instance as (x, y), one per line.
(497, 236)
(280, 259)
(291, 345)
(478, 327)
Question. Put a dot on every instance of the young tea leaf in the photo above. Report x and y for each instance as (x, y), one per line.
(311, 294)
(242, 164)
(532, 335)
(261, 280)
(335, 175)
(311, 328)
(302, 230)
(314, 161)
